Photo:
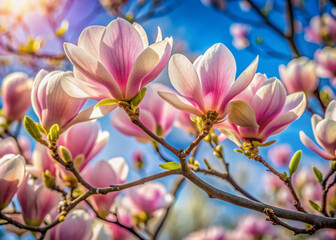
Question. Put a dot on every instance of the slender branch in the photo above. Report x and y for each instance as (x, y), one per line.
(325, 191)
(174, 191)
(286, 180)
(276, 221)
(117, 222)
(291, 30)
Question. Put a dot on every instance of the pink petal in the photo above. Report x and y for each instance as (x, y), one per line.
(120, 46)
(35, 104)
(180, 103)
(331, 110)
(312, 146)
(147, 67)
(91, 68)
(142, 33)
(121, 169)
(326, 134)
(90, 39)
(184, 79)
(217, 70)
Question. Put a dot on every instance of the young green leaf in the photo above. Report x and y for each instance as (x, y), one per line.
(31, 128)
(54, 133)
(106, 101)
(66, 154)
(294, 163)
(315, 205)
(318, 174)
(170, 166)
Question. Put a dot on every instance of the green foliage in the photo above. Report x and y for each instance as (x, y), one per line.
(294, 163)
(170, 166)
(31, 128)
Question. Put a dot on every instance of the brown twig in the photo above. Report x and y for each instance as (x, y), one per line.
(325, 190)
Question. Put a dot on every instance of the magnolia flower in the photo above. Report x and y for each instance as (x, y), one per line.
(125, 219)
(12, 172)
(113, 6)
(36, 201)
(103, 174)
(240, 33)
(9, 145)
(299, 75)
(147, 199)
(253, 226)
(208, 84)
(41, 162)
(280, 155)
(326, 63)
(156, 114)
(77, 225)
(53, 105)
(101, 231)
(15, 91)
(86, 139)
(115, 61)
(321, 29)
(273, 110)
(138, 159)
(213, 233)
(324, 133)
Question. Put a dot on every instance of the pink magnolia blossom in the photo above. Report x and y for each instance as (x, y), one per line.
(36, 201)
(53, 105)
(273, 110)
(138, 159)
(280, 155)
(9, 145)
(253, 226)
(85, 139)
(12, 172)
(213, 233)
(101, 231)
(184, 122)
(321, 29)
(240, 34)
(115, 61)
(77, 225)
(147, 199)
(104, 174)
(126, 219)
(324, 133)
(299, 75)
(15, 90)
(326, 63)
(41, 162)
(156, 114)
(207, 84)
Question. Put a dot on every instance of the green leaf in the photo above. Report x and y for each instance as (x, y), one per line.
(170, 166)
(333, 164)
(42, 130)
(31, 128)
(259, 144)
(106, 101)
(66, 154)
(138, 98)
(318, 174)
(315, 205)
(54, 133)
(294, 163)
(49, 181)
(159, 131)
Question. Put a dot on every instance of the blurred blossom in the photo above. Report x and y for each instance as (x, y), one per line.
(54, 106)
(213, 233)
(126, 219)
(299, 75)
(13, 229)
(326, 63)
(322, 29)
(115, 61)
(9, 145)
(113, 6)
(15, 91)
(240, 34)
(12, 172)
(184, 122)
(156, 114)
(138, 159)
(101, 230)
(41, 162)
(326, 95)
(244, 5)
(324, 133)
(77, 225)
(272, 182)
(208, 84)
(103, 174)
(36, 201)
(280, 155)
(273, 110)
(253, 227)
(144, 201)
